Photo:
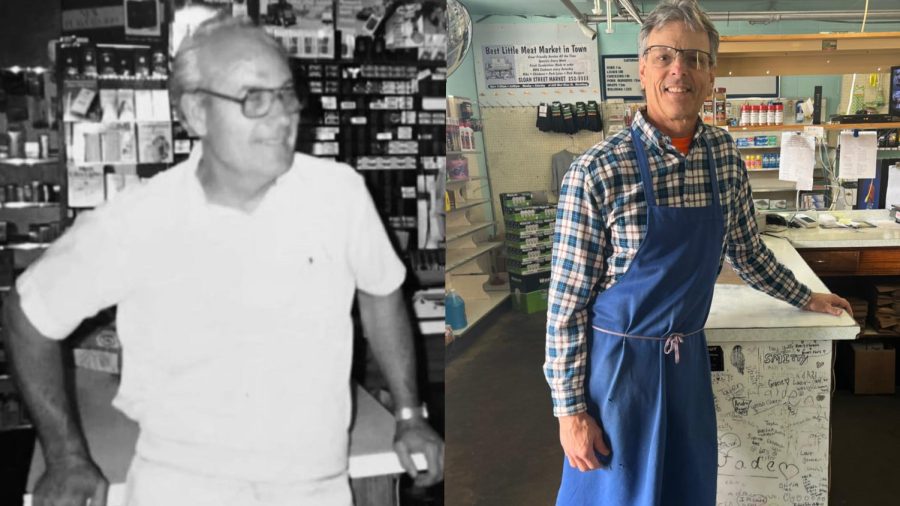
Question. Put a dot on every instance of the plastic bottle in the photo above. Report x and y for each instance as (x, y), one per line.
(779, 113)
(455, 308)
(745, 115)
(754, 115)
(798, 112)
(719, 99)
(770, 117)
(763, 114)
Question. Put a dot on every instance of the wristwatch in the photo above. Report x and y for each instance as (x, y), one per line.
(408, 413)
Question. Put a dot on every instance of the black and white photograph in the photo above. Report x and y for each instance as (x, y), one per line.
(221, 253)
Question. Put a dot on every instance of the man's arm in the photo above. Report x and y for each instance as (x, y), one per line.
(389, 332)
(757, 266)
(577, 266)
(71, 477)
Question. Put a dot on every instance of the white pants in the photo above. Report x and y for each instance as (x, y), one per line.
(153, 484)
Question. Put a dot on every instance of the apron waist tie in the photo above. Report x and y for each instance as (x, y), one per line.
(672, 341)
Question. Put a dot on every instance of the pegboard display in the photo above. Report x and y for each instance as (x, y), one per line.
(519, 154)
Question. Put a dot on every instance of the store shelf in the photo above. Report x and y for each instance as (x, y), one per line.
(826, 126)
(454, 182)
(476, 309)
(751, 171)
(27, 161)
(468, 204)
(457, 233)
(463, 153)
(772, 189)
(754, 148)
(25, 246)
(460, 256)
(29, 205)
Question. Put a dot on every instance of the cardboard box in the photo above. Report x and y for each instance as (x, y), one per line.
(529, 282)
(528, 265)
(529, 213)
(518, 230)
(530, 302)
(535, 252)
(514, 200)
(873, 368)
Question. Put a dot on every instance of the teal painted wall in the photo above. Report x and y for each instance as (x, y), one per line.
(624, 40)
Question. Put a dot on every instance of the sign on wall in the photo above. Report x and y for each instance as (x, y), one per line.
(514, 70)
(621, 78)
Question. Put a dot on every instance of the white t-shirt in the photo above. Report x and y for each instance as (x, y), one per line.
(235, 327)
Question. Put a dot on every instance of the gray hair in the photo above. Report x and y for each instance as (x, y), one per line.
(684, 11)
(186, 73)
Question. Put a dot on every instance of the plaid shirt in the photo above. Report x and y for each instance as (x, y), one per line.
(602, 219)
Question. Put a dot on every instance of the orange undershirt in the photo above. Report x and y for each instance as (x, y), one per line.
(682, 143)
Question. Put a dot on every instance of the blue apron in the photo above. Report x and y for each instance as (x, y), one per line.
(648, 377)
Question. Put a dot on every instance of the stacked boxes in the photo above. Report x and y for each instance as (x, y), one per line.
(529, 242)
(885, 299)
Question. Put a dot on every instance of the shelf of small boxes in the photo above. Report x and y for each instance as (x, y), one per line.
(529, 241)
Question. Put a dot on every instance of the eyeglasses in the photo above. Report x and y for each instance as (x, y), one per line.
(663, 56)
(258, 101)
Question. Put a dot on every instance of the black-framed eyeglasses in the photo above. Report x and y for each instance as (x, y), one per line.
(257, 102)
(663, 56)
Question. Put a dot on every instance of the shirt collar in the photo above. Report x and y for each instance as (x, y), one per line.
(655, 137)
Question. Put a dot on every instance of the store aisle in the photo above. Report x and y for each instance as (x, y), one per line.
(502, 439)
(502, 443)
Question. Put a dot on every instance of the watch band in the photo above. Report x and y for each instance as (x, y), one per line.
(408, 413)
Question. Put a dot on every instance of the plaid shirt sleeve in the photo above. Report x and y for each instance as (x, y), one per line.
(576, 267)
(752, 260)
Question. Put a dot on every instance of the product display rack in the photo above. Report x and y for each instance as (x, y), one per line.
(116, 126)
(471, 226)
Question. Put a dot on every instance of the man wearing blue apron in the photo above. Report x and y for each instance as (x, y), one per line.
(644, 221)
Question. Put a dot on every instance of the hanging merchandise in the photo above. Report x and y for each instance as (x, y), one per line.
(568, 113)
(543, 118)
(556, 118)
(580, 116)
(569, 118)
(594, 122)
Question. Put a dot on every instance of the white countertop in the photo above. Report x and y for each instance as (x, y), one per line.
(741, 313)
(885, 234)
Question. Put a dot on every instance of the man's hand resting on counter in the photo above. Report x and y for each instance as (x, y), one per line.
(75, 482)
(416, 436)
(828, 303)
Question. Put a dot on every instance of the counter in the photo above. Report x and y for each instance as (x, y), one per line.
(886, 234)
(772, 379)
(111, 438)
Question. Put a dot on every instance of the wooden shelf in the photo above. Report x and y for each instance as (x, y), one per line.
(457, 233)
(807, 54)
(460, 256)
(476, 309)
(751, 171)
(468, 204)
